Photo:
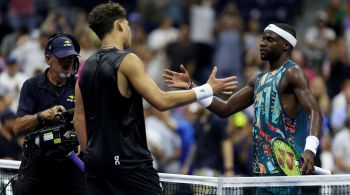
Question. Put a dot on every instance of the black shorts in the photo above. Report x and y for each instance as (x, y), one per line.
(99, 186)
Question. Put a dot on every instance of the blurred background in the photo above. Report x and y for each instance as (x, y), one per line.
(197, 34)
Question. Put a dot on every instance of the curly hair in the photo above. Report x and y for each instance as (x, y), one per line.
(101, 19)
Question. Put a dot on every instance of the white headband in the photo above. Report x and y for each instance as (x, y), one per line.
(284, 34)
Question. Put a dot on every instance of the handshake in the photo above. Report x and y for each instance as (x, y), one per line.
(204, 93)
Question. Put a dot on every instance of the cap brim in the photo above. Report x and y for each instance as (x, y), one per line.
(65, 53)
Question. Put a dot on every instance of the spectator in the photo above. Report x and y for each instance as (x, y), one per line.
(86, 40)
(12, 80)
(22, 13)
(185, 116)
(341, 149)
(29, 54)
(229, 46)
(340, 104)
(336, 68)
(211, 154)
(10, 145)
(157, 41)
(239, 128)
(182, 51)
(317, 39)
(252, 36)
(170, 141)
(202, 21)
(9, 42)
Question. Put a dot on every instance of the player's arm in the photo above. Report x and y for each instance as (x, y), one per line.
(133, 69)
(238, 101)
(79, 118)
(297, 79)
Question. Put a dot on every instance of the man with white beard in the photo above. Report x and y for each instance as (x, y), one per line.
(41, 100)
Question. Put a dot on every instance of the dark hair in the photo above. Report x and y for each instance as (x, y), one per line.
(287, 28)
(101, 18)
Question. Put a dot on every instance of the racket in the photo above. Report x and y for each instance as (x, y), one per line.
(288, 160)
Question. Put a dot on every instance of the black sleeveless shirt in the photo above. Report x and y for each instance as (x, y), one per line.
(116, 137)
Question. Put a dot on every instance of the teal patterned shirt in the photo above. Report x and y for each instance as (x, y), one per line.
(271, 120)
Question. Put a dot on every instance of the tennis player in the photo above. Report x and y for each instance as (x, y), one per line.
(283, 102)
(109, 116)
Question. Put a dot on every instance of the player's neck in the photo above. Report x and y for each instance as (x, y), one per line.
(111, 42)
(275, 64)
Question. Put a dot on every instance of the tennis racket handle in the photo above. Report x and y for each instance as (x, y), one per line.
(77, 161)
(321, 171)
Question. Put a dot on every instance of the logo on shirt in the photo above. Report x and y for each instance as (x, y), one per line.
(71, 98)
(116, 160)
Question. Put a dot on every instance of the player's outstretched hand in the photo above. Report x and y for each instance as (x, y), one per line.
(179, 80)
(223, 86)
(308, 162)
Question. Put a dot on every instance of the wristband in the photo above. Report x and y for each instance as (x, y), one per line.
(203, 91)
(206, 102)
(311, 143)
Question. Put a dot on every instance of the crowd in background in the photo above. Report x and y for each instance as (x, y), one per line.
(197, 34)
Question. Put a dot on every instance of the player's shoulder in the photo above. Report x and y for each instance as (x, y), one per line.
(295, 74)
(131, 62)
(130, 58)
(293, 69)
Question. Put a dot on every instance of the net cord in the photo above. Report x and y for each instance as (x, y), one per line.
(227, 182)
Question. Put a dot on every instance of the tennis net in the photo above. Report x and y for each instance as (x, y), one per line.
(197, 185)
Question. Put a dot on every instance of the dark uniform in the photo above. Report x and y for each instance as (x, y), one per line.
(117, 160)
(39, 175)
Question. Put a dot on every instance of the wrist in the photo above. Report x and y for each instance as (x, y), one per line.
(190, 85)
(311, 144)
(203, 91)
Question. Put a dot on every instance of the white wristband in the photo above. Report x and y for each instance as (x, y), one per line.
(206, 102)
(312, 143)
(203, 91)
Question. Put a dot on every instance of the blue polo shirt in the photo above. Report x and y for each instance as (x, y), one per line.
(38, 94)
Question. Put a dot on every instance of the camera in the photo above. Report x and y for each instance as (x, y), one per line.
(54, 140)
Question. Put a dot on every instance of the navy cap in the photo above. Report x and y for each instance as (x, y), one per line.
(7, 114)
(10, 60)
(61, 47)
